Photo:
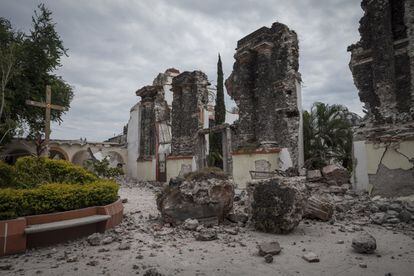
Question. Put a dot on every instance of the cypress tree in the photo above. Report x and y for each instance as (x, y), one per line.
(220, 108)
(215, 158)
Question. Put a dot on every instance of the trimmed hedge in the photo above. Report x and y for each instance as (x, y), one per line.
(55, 197)
(33, 171)
(7, 175)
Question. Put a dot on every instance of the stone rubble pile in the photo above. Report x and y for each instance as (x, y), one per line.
(275, 205)
(196, 199)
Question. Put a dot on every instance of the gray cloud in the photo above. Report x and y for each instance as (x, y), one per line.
(117, 46)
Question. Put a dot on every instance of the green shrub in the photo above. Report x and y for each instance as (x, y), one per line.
(103, 169)
(33, 171)
(7, 175)
(55, 197)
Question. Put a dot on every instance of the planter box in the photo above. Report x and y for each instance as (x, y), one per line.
(13, 238)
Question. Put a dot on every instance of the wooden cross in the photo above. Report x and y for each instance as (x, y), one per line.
(48, 106)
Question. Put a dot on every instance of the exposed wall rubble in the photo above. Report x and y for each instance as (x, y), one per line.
(265, 84)
(382, 61)
(190, 97)
(382, 64)
(153, 109)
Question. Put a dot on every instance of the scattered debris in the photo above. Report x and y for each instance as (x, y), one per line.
(311, 257)
(318, 207)
(190, 224)
(364, 243)
(336, 173)
(272, 248)
(206, 235)
(124, 246)
(94, 239)
(268, 258)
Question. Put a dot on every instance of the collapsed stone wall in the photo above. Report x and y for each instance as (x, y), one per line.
(190, 97)
(265, 84)
(382, 61)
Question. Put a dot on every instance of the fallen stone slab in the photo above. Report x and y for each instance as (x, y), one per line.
(364, 243)
(336, 173)
(190, 224)
(206, 235)
(318, 207)
(272, 248)
(311, 257)
(313, 175)
(275, 205)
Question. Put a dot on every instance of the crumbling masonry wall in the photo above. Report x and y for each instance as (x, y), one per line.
(265, 84)
(382, 64)
(154, 109)
(382, 61)
(190, 97)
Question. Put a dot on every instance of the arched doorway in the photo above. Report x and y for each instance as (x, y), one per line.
(80, 157)
(58, 154)
(115, 159)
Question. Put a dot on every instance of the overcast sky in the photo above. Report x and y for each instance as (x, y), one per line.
(115, 47)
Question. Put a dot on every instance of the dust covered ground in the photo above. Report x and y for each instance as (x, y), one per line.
(142, 245)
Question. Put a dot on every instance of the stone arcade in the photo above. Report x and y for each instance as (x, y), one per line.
(382, 64)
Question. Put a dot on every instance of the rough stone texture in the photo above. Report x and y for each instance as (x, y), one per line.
(311, 257)
(382, 61)
(364, 243)
(196, 199)
(275, 205)
(269, 248)
(190, 96)
(264, 84)
(206, 235)
(94, 239)
(318, 207)
(336, 173)
(154, 109)
(313, 175)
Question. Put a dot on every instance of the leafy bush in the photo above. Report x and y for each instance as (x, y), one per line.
(103, 169)
(55, 197)
(33, 171)
(7, 175)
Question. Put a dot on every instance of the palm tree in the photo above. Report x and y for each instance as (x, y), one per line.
(327, 135)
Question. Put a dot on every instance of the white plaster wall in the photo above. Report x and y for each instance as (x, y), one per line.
(244, 163)
(133, 138)
(368, 156)
(359, 178)
(174, 166)
(301, 153)
(146, 170)
(285, 160)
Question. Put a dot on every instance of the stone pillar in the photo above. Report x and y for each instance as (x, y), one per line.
(264, 85)
(190, 97)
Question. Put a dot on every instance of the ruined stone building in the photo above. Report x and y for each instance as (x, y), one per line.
(382, 64)
(162, 130)
(265, 84)
(169, 128)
